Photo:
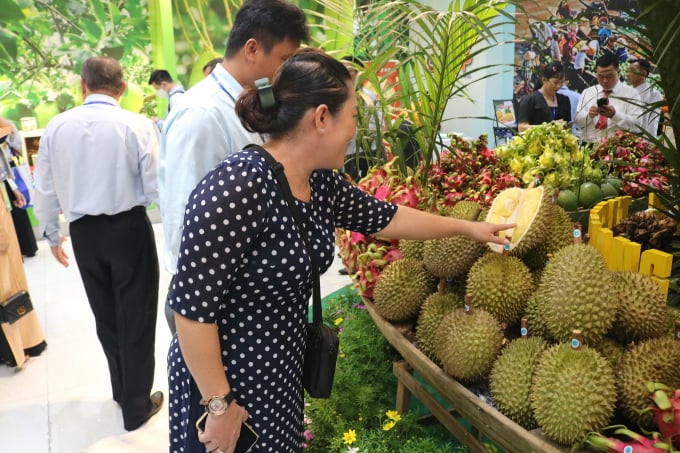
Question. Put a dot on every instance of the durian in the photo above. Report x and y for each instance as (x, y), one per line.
(654, 360)
(411, 248)
(559, 233)
(642, 312)
(576, 292)
(511, 376)
(573, 392)
(452, 256)
(467, 343)
(401, 289)
(435, 307)
(501, 285)
(529, 209)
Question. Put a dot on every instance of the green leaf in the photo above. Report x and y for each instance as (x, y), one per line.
(8, 45)
(11, 12)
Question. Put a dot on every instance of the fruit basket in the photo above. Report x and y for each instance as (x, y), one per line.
(485, 420)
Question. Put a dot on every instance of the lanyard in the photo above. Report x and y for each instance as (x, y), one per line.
(217, 81)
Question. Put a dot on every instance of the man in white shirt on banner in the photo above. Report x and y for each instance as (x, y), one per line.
(609, 106)
(637, 74)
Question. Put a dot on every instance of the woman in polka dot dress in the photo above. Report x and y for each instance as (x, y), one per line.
(244, 278)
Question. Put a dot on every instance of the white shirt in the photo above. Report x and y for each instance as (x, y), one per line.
(94, 159)
(173, 99)
(650, 118)
(625, 101)
(200, 132)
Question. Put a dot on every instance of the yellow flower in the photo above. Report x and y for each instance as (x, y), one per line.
(349, 437)
(338, 321)
(389, 425)
(393, 415)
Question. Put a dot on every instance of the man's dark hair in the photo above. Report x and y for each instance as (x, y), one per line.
(160, 75)
(644, 64)
(269, 22)
(212, 63)
(102, 74)
(607, 59)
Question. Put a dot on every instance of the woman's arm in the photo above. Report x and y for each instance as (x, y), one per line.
(409, 223)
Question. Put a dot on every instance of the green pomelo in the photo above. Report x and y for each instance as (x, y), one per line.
(616, 182)
(567, 200)
(589, 195)
(608, 190)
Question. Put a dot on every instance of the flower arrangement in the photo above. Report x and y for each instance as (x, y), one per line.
(551, 153)
(632, 159)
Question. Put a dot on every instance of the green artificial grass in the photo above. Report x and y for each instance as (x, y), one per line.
(359, 416)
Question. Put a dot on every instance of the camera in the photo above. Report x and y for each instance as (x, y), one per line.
(602, 102)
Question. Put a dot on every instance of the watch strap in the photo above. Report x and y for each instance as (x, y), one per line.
(228, 398)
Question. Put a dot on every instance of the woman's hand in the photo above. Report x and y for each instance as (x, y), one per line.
(222, 431)
(488, 232)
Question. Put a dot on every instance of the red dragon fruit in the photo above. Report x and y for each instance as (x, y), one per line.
(634, 443)
(666, 410)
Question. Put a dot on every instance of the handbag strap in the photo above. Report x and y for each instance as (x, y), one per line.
(277, 169)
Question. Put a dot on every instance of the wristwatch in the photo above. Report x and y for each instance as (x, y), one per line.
(217, 405)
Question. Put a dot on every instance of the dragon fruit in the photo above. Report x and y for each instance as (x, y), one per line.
(666, 410)
(634, 443)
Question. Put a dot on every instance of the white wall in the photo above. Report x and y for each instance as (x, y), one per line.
(459, 114)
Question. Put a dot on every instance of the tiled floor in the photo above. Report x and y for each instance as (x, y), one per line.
(61, 401)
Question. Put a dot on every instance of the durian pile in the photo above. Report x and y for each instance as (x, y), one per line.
(466, 302)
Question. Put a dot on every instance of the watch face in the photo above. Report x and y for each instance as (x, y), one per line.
(217, 406)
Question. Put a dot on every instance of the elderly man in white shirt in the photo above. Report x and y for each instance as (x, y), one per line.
(637, 74)
(97, 163)
(609, 106)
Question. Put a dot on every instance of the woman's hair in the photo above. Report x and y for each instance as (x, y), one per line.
(309, 78)
(554, 69)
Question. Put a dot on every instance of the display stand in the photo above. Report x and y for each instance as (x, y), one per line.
(486, 421)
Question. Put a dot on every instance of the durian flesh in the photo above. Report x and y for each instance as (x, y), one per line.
(528, 209)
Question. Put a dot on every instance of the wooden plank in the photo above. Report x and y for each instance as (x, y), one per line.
(403, 374)
(505, 433)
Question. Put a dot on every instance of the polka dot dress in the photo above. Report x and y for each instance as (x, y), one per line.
(243, 266)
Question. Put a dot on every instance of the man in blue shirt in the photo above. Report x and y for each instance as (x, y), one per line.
(203, 128)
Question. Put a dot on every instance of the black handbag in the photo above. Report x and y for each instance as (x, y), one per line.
(15, 307)
(321, 352)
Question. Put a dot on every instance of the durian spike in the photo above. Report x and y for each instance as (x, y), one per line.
(677, 329)
(468, 304)
(524, 328)
(576, 340)
(578, 238)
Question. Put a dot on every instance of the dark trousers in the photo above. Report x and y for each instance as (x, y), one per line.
(118, 264)
(23, 227)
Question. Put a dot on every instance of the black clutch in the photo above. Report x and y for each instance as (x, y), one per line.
(15, 307)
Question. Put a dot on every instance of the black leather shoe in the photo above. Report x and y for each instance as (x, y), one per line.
(155, 404)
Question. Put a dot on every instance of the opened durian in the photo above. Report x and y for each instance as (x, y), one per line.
(529, 209)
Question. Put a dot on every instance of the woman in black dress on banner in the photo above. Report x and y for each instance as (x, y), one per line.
(545, 104)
